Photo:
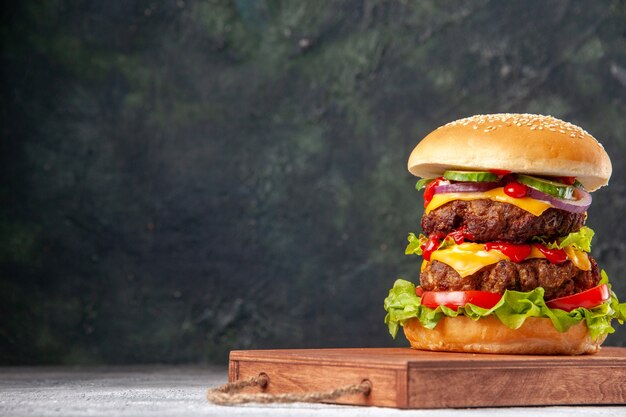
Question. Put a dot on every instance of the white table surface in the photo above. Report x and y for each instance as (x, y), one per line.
(180, 391)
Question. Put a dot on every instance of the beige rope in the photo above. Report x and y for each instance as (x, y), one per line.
(228, 394)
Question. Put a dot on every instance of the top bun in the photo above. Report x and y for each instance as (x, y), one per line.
(521, 143)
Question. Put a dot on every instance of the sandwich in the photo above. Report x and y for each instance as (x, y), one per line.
(504, 247)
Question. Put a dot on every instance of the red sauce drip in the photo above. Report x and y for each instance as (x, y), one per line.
(555, 256)
(500, 172)
(515, 190)
(429, 191)
(431, 245)
(460, 235)
(434, 240)
(516, 252)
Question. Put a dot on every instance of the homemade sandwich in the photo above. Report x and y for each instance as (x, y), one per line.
(506, 265)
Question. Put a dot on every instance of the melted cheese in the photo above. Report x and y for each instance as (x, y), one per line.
(469, 258)
(531, 205)
(579, 258)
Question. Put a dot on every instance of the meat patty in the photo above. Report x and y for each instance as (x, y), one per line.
(490, 221)
(557, 280)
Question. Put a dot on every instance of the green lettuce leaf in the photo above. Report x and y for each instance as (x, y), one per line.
(512, 310)
(580, 240)
(415, 244)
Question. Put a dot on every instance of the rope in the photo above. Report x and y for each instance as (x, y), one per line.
(228, 394)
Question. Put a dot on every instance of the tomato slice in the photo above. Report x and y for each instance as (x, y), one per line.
(456, 299)
(587, 299)
(419, 291)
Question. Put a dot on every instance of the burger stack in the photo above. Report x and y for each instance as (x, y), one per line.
(505, 250)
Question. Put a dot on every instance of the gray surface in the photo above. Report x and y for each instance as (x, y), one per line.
(179, 391)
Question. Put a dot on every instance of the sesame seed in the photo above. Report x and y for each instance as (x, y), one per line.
(531, 121)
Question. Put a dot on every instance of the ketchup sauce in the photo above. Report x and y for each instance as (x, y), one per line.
(429, 191)
(515, 189)
(460, 235)
(516, 252)
(555, 256)
(519, 252)
(433, 243)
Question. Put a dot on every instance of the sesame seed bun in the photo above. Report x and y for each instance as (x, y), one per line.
(521, 143)
(537, 336)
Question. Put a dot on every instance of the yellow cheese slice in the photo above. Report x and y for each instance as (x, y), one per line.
(579, 258)
(531, 205)
(469, 258)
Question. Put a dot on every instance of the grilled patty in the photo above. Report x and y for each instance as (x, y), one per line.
(557, 280)
(490, 221)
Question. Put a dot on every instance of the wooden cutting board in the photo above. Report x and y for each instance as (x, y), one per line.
(406, 378)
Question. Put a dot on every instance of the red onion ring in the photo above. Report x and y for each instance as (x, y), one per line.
(467, 187)
(579, 205)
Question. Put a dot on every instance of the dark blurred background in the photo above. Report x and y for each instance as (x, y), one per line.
(182, 178)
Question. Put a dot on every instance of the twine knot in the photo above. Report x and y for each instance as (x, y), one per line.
(228, 394)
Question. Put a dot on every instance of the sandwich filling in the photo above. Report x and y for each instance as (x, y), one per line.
(516, 243)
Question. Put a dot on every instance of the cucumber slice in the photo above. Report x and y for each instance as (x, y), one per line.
(422, 183)
(553, 188)
(470, 176)
(578, 184)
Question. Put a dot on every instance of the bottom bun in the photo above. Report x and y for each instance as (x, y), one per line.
(537, 336)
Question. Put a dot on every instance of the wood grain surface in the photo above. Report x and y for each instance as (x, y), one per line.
(406, 378)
